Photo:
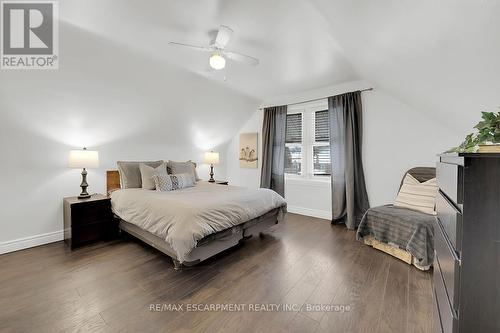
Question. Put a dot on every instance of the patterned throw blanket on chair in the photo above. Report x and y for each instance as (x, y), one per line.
(410, 230)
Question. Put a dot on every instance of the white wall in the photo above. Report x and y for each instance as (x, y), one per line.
(396, 138)
(107, 97)
(240, 176)
(311, 198)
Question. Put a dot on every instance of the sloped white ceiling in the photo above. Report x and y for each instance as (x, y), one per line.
(440, 57)
(290, 37)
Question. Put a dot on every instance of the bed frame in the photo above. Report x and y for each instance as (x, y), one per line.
(206, 247)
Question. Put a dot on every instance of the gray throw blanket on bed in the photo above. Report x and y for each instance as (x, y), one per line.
(409, 230)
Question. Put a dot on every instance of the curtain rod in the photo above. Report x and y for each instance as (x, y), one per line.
(318, 99)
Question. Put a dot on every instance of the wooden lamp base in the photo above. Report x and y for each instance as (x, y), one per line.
(211, 180)
(84, 185)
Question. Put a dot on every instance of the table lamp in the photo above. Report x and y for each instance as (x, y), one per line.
(83, 159)
(211, 158)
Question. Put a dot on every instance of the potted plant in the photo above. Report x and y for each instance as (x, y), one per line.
(487, 137)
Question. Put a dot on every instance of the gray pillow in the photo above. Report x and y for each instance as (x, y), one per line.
(188, 167)
(130, 172)
(147, 173)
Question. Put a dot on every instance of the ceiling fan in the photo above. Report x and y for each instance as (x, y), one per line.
(218, 52)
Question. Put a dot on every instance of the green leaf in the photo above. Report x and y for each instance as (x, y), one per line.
(488, 116)
(481, 125)
(488, 130)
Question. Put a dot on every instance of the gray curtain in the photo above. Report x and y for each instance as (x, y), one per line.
(273, 149)
(349, 197)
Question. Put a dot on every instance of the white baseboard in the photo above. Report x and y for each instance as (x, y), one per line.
(322, 214)
(31, 241)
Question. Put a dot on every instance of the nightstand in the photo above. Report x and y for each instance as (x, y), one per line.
(87, 220)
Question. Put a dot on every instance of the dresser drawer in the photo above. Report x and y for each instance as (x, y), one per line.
(451, 220)
(449, 266)
(449, 179)
(449, 322)
(90, 212)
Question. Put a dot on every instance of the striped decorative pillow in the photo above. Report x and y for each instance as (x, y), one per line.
(417, 196)
(166, 182)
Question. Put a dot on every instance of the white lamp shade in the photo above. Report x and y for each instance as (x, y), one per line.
(83, 159)
(211, 157)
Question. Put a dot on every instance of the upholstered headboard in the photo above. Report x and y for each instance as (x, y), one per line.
(112, 180)
(422, 174)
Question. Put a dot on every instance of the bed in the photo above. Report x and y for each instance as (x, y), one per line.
(193, 224)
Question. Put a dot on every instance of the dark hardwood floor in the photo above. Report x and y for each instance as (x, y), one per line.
(111, 286)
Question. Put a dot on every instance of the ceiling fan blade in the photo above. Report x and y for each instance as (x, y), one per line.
(194, 47)
(241, 58)
(223, 36)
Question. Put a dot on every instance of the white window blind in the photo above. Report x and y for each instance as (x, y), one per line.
(322, 126)
(321, 146)
(293, 144)
(294, 128)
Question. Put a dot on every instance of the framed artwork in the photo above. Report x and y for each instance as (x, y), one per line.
(248, 151)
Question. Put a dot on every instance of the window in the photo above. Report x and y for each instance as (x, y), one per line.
(293, 144)
(321, 146)
(307, 144)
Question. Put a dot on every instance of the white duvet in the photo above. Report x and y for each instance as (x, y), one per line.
(185, 216)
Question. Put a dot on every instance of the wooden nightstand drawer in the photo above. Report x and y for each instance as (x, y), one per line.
(90, 233)
(87, 213)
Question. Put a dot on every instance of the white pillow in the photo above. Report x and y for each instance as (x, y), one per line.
(147, 173)
(418, 196)
(166, 183)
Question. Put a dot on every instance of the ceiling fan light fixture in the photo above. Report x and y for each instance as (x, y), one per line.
(217, 61)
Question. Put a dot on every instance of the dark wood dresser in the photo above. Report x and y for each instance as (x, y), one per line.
(87, 220)
(467, 243)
